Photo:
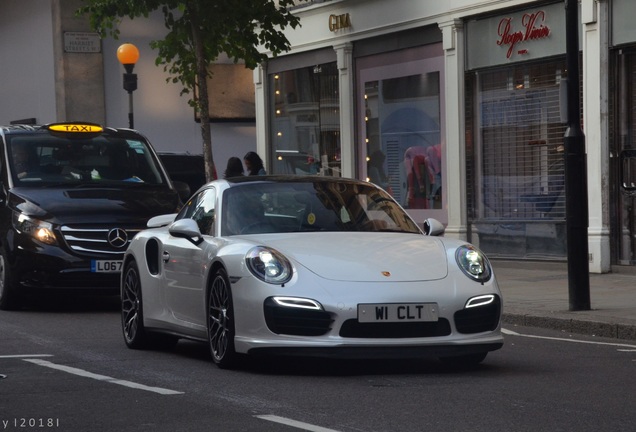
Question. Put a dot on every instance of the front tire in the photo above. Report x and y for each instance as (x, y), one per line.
(221, 321)
(9, 299)
(132, 315)
(132, 320)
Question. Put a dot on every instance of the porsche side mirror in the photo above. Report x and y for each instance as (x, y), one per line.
(186, 228)
(433, 227)
(161, 220)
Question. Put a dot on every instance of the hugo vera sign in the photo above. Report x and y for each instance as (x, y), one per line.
(533, 27)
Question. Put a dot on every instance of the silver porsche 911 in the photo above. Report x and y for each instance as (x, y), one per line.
(308, 266)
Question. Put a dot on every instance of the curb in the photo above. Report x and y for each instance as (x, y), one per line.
(583, 327)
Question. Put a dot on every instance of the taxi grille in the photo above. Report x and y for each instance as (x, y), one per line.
(354, 329)
(94, 240)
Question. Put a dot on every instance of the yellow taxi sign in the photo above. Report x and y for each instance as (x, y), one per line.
(75, 127)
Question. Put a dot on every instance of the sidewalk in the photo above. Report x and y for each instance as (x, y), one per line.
(536, 295)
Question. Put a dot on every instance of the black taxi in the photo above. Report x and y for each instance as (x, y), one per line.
(72, 196)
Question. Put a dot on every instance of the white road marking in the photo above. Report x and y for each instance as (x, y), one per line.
(512, 333)
(294, 423)
(24, 356)
(86, 374)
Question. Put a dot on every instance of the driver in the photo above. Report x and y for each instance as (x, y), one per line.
(21, 160)
(247, 216)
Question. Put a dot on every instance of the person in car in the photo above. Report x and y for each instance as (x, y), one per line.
(21, 161)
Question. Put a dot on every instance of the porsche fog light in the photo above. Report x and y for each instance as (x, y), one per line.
(473, 263)
(478, 301)
(39, 230)
(299, 303)
(268, 265)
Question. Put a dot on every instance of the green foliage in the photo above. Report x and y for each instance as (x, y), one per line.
(199, 31)
(236, 28)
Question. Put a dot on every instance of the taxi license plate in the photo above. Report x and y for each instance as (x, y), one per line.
(106, 266)
(398, 312)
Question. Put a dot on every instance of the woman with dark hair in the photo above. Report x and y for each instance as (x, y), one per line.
(254, 164)
(234, 168)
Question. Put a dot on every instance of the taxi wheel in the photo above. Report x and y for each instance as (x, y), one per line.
(221, 321)
(131, 309)
(8, 297)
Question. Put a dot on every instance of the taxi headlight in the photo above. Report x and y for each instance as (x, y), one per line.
(268, 265)
(37, 229)
(473, 263)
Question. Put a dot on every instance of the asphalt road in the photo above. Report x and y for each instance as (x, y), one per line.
(66, 368)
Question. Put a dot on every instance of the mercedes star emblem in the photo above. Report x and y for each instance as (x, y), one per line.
(117, 238)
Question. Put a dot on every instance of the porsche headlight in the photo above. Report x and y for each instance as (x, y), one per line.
(39, 230)
(473, 263)
(268, 265)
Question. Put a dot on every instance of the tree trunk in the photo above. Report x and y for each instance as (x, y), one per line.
(203, 102)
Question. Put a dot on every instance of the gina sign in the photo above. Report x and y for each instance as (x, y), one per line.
(339, 22)
(532, 27)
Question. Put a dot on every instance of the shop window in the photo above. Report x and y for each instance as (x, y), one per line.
(516, 160)
(403, 141)
(305, 121)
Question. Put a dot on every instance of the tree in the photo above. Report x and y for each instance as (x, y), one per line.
(199, 31)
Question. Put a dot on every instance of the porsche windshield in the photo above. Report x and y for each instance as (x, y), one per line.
(311, 206)
(37, 159)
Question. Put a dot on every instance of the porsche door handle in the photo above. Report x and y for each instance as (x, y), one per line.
(165, 257)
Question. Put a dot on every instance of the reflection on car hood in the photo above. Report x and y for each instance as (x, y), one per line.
(102, 205)
(365, 256)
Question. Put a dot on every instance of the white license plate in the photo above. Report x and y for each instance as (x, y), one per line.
(106, 266)
(398, 312)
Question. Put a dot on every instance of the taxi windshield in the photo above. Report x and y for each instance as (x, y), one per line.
(40, 159)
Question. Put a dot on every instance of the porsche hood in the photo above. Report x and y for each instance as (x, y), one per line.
(389, 256)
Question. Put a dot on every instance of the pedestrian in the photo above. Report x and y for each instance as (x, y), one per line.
(234, 167)
(254, 164)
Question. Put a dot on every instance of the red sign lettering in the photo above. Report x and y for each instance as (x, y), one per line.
(533, 28)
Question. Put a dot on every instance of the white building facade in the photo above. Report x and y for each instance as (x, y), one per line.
(456, 108)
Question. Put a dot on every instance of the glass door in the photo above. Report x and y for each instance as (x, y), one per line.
(400, 118)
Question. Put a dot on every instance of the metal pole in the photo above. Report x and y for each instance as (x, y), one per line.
(576, 209)
(130, 85)
(131, 121)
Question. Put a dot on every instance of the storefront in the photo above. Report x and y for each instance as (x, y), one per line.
(458, 113)
(397, 103)
(514, 133)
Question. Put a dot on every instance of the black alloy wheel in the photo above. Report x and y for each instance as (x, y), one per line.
(131, 309)
(221, 321)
